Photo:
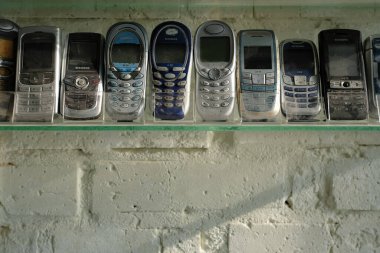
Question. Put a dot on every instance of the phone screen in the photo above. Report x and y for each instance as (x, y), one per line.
(83, 56)
(37, 55)
(258, 57)
(126, 53)
(215, 49)
(299, 60)
(343, 60)
(6, 48)
(167, 53)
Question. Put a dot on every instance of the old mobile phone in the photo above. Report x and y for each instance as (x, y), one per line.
(8, 51)
(38, 72)
(82, 74)
(300, 94)
(342, 74)
(372, 59)
(171, 62)
(126, 57)
(215, 62)
(258, 75)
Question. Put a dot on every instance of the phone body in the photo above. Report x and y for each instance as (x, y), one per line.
(171, 63)
(372, 59)
(258, 75)
(300, 81)
(37, 76)
(82, 76)
(215, 63)
(126, 62)
(342, 74)
(8, 52)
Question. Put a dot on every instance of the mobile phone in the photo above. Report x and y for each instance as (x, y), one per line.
(372, 59)
(171, 62)
(126, 57)
(82, 74)
(342, 74)
(215, 62)
(8, 51)
(37, 75)
(258, 75)
(300, 92)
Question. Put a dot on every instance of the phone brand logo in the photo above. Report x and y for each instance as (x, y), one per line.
(171, 31)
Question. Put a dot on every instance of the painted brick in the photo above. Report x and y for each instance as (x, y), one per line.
(131, 186)
(178, 241)
(39, 182)
(264, 238)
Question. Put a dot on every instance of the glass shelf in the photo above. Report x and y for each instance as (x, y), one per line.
(254, 127)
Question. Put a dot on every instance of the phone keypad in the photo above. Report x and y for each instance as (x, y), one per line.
(216, 94)
(299, 92)
(172, 95)
(346, 105)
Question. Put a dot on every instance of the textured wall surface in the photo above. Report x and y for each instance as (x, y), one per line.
(172, 192)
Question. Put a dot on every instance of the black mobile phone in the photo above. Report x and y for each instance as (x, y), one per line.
(342, 74)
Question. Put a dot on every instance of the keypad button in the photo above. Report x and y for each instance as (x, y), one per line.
(215, 98)
(158, 104)
(182, 84)
(125, 76)
(288, 88)
(178, 104)
(136, 91)
(124, 105)
(297, 95)
(137, 84)
(125, 85)
(313, 105)
(35, 89)
(215, 105)
(157, 90)
(205, 83)
(269, 81)
(47, 88)
(168, 105)
(224, 97)
(224, 104)
(301, 100)
(288, 94)
(139, 76)
(112, 83)
(225, 82)
(313, 95)
(157, 82)
(300, 89)
(137, 97)
(225, 89)
(313, 100)
(124, 98)
(168, 91)
(314, 88)
(24, 88)
(204, 96)
(169, 84)
(215, 91)
(170, 76)
(182, 75)
(214, 84)
(247, 81)
(164, 69)
(246, 75)
(178, 69)
(205, 89)
(287, 79)
(125, 91)
(157, 75)
(258, 79)
(290, 99)
(134, 104)
(269, 75)
(181, 91)
(180, 98)
(205, 104)
(302, 105)
(169, 98)
(158, 97)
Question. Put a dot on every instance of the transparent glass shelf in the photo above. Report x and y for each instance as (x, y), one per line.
(254, 127)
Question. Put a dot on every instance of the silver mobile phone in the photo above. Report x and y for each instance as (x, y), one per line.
(82, 74)
(372, 59)
(126, 57)
(300, 92)
(8, 51)
(37, 75)
(215, 63)
(258, 75)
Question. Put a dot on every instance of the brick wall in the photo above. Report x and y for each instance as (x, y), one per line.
(171, 192)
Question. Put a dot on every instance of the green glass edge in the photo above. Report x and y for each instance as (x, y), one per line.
(216, 128)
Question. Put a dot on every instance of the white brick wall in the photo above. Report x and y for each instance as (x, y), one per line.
(191, 191)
